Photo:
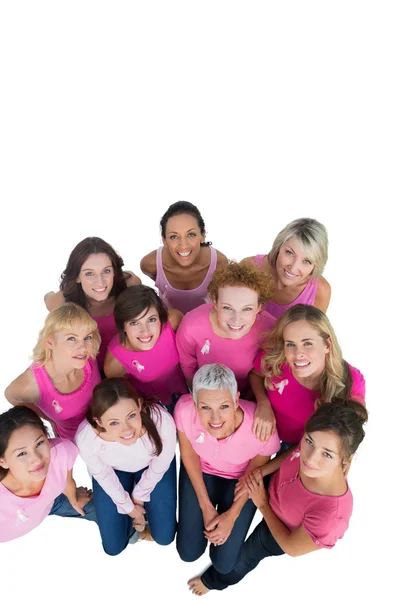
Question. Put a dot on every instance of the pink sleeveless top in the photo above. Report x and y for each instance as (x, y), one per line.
(184, 300)
(307, 296)
(67, 411)
(155, 372)
(107, 329)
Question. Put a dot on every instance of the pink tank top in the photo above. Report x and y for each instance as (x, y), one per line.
(184, 300)
(154, 372)
(307, 296)
(107, 329)
(67, 411)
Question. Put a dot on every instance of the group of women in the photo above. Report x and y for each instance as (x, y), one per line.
(237, 360)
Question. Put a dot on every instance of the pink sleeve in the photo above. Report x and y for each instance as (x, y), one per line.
(113, 346)
(272, 446)
(103, 474)
(178, 414)
(257, 362)
(159, 464)
(358, 389)
(71, 451)
(324, 527)
(186, 346)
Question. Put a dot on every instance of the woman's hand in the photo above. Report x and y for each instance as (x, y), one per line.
(264, 424)
(137, 515)
(219, 529)
(256, 489)
(83, 496)
(209, 514)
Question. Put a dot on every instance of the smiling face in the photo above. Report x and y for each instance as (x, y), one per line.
(97, 277)
(122, 422)
(28, 454)
(217, 412)
(237, 309)
(183, 238)
(71, 348)
(305, 350)
(144, 331)
(320, 454)
(293, 267)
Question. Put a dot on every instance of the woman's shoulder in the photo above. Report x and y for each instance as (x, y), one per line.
(148, 264)
(85, 434)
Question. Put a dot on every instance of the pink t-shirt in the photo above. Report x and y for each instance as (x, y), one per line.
(229, 457)
(293, 404)
(107, 329)
(198, 345)
(66, 410)
(154, 373)
(183, 300)
(325, 518)
(102, 457)
(19, 515)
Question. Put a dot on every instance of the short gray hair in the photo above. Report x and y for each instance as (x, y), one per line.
(214, 377)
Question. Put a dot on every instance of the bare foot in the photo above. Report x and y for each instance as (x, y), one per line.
(197, 587)
(146, 535)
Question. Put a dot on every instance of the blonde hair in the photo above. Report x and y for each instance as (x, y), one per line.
(61, 318)
(313, 237)
(336, 380)
(241, 275)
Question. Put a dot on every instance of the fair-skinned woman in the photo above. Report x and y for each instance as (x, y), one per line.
(296, 262)
(302, 365)
(59, 383)
(128, 445)
(229, 330)
(308, 504)
(93, 278)
(36, 476)
(145, 347)
(217, 448)
(183, 266)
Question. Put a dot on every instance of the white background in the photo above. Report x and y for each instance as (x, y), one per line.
(258, 113)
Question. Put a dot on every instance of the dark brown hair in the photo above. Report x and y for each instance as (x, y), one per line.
(184, 208)
(343, 417)
(107, 394)
(72, 290)
(132, 302)
(13, 419)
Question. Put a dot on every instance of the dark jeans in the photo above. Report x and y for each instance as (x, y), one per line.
(191, 542)
(116, 528)
(260, 544)
(62, 507)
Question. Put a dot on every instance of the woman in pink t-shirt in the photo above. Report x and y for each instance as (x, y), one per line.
(182, 268)
(145, 349)
(302, 366)
(59, 383)
(36, 476)
(296, 262)
(217, 448)
(308, 504)
(93, 278)
(228, 331)
(129, 446)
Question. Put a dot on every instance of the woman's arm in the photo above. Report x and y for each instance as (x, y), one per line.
(53, 300)
(131, 278)
(23, 390)
(186, 346)
(175, 317)
(112, 366)
(148, 265)
(221, 259)
(264, 424)
(78, 497)
(323, 295)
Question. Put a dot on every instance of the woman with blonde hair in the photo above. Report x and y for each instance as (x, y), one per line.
(60, 381)
(296, 262)
(301, 367)
(228, 331)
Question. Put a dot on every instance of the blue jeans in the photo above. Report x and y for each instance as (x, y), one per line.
(260, 544)
(191, 542)
(62, 507)
(116, 528)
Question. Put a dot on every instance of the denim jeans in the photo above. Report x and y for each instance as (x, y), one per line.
(62, 507)
(260, 544)
(191, 542)
(116, 528)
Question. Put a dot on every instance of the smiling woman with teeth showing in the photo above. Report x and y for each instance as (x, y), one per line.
(229, 330)
(145, 347)
(129, 445)
(60, 382)
(93, 278)
(182, 268)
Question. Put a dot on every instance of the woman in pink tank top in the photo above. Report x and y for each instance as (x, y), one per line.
(93, 278)
(300, 367)
(144, 349)
(296, 261)
(59, 383)
(183, 267)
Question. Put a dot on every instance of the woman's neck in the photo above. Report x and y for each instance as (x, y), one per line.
(332, 485)
(313, 382)
(58, 372)
(24, 489)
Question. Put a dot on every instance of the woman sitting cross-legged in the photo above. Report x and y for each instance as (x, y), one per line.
(217, 448)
